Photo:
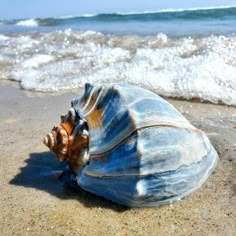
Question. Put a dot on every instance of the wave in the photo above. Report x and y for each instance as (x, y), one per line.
(158, 15)
(171, 14)
(28, 23)
(189, 68)
(168, 10)
(71, 16)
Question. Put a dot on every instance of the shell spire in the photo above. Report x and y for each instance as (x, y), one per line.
(69, 140)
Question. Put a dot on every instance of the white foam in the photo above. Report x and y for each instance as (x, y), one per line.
(203, 68)
(76, 16)
(30, 23)
(37, 60)
(162, 37)
(3, 37)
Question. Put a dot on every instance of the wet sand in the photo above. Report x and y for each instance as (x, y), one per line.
(33, 203)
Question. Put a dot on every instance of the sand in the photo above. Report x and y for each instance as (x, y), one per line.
(33, 203)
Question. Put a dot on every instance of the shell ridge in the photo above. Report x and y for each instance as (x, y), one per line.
(142, 175)
(95, 102)
(143, 192)
(180, 195)
(88, 100)
(83, 100)
(99, 145)
(153, 157)
(129, 131)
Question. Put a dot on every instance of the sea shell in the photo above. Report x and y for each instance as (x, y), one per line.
(129, 145)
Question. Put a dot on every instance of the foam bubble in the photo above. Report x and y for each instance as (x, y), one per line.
(162, 37)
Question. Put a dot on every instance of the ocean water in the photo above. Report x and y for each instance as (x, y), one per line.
(180, 53)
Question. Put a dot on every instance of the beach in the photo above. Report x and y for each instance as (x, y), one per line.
(32, 202)
(187, 56)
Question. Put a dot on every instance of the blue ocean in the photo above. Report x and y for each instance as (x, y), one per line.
(180, 53)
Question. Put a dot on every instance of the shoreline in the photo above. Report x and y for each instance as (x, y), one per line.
(32, 203)
(79, 91)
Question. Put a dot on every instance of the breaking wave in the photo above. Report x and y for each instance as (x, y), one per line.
(30, 22)
(163, 15)
(186, 67)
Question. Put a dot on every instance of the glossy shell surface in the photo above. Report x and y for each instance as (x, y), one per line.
(142, 151)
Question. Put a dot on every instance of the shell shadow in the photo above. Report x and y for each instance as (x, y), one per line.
(38, 174)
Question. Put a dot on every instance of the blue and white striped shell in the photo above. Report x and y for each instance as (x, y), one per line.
(141, 151)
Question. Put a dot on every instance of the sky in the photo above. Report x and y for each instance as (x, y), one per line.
(15, 9)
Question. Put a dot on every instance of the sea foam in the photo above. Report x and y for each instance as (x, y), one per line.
(3, 37)
(37, 60)
(29, 22)
(188, 68)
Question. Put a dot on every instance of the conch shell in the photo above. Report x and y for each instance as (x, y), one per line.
(129, 145)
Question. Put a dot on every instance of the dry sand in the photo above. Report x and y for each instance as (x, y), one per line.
(33, 203)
